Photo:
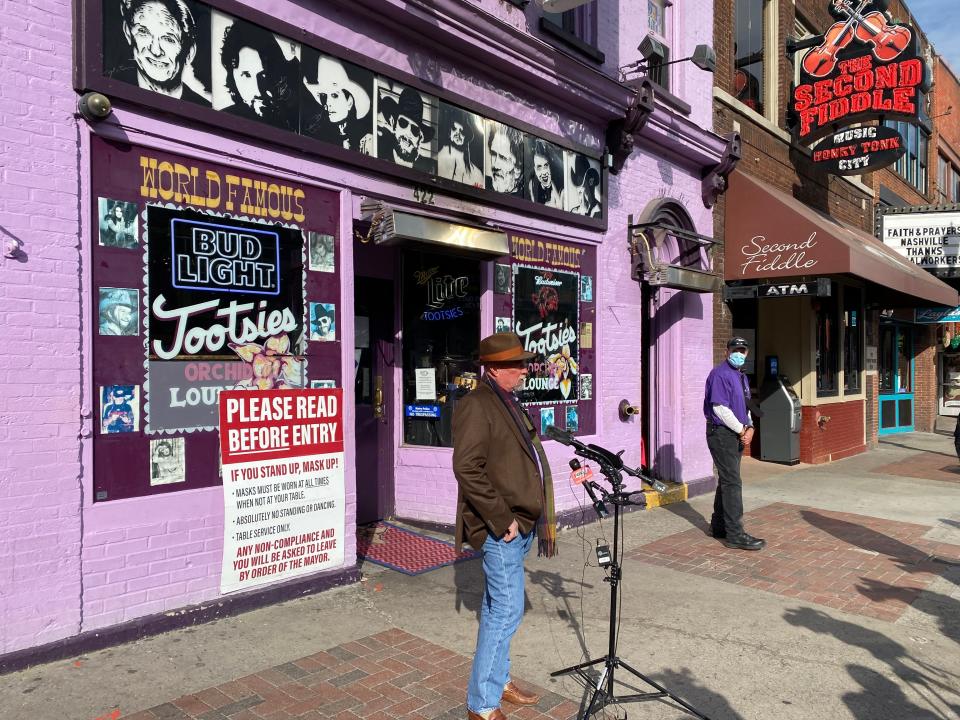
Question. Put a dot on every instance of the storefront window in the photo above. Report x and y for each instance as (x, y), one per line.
(828, 355)
(950, 380)
(904, 360)
(441, 329)
(912, 165)
(748, 51)
(192, 295)
(852, 339)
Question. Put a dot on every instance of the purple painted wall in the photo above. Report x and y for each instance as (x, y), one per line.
(40, 468)
(131, 558)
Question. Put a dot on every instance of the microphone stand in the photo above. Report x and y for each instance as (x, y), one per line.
(612, 467)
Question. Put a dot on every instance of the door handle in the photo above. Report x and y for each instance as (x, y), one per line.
(378, 396)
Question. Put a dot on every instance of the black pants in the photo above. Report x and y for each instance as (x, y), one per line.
(726, 450)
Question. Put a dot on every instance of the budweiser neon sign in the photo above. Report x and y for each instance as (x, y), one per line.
(864, 68)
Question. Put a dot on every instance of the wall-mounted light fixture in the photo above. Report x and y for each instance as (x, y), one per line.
(654, 52)
(94, 106)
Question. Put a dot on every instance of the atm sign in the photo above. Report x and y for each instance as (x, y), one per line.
(820, 288)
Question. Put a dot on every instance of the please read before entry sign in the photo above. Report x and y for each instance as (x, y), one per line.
(283, 484)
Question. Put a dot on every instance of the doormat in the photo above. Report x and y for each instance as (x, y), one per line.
(406, 551)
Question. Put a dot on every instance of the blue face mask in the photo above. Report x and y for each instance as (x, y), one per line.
(737, 359)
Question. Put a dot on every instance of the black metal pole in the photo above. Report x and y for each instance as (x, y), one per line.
(614, 582)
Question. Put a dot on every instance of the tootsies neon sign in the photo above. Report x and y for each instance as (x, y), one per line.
(865, 67)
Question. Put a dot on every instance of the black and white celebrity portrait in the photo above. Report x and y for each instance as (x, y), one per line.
(335, 102)
(404, 129)
(502, 279)
(118, 223)
(258, 73)
(167, 461)
(504, 158)
(323, 323)
(544, 163)
(118, 311)
(461, 146)
(584, 193)
(321, 252)
(154, 44)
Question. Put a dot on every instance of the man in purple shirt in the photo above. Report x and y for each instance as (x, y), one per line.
(729, 430)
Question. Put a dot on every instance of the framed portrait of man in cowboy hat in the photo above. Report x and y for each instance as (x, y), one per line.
(118, 311)
(336, 102)
(119, 409)
(323, 322)
(584, 192)
(460, 157)
(406, 126)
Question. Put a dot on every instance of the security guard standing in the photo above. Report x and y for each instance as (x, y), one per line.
(729, 430)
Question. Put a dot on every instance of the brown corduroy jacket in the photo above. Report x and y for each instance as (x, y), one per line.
(498, 477)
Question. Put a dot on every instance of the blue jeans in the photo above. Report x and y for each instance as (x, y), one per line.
(500, 616)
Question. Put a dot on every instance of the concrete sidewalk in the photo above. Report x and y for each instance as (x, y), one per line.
(852, 611)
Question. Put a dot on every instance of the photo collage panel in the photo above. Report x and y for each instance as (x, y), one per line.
(188, 51)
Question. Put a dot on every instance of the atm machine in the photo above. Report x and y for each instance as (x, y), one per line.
(781, 416)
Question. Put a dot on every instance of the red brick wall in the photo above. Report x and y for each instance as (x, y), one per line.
(946, 93)
(888, 176)
(722, 317)
(925, 402)
(839, 437)
(872, 421)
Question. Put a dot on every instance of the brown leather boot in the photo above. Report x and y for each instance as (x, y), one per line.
(515, 696)
(495, 715)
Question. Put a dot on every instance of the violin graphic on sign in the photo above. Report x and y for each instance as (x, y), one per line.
(888, 40)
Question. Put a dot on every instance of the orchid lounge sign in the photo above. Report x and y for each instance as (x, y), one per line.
(866, 68)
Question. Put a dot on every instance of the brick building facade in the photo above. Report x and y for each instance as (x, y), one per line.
(109, 535)
(832, 371)
(921, 185)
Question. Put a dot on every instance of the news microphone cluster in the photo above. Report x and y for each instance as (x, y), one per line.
(601, 456)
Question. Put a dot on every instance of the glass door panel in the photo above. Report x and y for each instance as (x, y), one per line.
(895, 366)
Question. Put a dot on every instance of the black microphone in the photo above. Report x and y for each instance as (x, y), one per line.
(598, 505)
(561, 436)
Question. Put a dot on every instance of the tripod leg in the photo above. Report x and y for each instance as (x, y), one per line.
(580, 666)
(662, 689)
(597, 693)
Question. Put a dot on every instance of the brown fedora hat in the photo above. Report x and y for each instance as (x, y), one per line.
(503, 347)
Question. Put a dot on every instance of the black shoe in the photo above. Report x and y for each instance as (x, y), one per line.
(743, 542)
(718, 534)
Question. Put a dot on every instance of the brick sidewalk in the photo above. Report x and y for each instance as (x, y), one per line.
(854, 563)
(389, 676)
(925, 465)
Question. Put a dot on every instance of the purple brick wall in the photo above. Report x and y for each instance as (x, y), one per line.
(425, 487)
(40, 495)
(143, 556)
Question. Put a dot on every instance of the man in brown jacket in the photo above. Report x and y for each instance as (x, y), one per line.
(499, 465)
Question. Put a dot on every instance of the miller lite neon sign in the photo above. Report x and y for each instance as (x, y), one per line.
(865, 68)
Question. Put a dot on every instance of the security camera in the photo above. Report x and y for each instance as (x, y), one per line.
(94, 106)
